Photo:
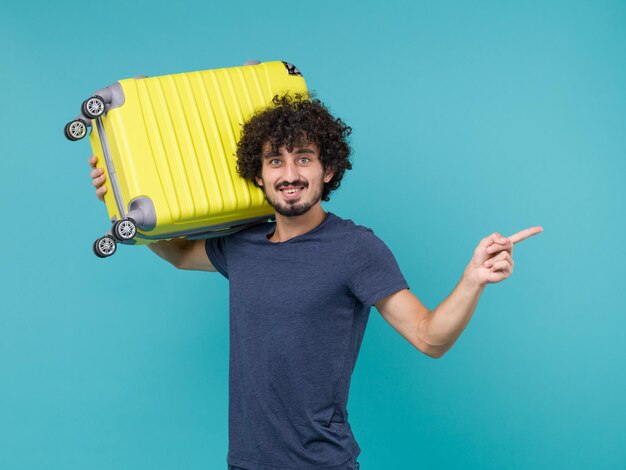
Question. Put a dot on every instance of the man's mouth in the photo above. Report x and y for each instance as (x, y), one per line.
(292, 192)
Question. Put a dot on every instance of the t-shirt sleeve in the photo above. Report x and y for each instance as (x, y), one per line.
(375, 272)
(216, 250)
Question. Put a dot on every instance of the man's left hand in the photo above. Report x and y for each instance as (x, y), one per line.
(493, 258)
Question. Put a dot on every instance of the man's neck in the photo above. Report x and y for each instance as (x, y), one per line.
(291, 227)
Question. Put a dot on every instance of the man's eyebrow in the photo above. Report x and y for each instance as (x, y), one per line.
(272, 154)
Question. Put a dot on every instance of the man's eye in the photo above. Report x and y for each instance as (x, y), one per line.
(304, 160)
(275, 162)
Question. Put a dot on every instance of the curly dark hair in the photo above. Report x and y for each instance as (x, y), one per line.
(294, 121)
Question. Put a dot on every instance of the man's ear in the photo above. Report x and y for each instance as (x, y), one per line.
(259, 181)
(329, 175)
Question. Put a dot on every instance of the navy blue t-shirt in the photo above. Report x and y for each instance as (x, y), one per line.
(298, 311)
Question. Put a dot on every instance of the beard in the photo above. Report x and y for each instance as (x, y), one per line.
(295, 208)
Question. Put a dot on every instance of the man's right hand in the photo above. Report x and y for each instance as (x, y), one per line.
(98, 178)
(182, 253)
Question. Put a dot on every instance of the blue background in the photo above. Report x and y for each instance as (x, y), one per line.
(468, 117)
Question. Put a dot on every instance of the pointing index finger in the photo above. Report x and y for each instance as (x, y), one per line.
(524, 234)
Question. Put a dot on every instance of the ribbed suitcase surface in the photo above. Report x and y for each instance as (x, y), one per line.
(173, 141)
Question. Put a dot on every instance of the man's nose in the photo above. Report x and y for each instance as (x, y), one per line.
(291, 172)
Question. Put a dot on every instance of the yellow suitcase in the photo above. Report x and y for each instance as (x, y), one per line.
(167, 146)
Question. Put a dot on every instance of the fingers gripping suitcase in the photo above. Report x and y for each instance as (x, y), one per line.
(167, 146)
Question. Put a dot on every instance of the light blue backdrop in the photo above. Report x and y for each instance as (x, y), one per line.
(468, 117)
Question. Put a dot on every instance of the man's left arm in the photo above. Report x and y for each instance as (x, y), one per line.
(435, 332)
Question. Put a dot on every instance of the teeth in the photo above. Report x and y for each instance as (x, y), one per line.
(291, 190)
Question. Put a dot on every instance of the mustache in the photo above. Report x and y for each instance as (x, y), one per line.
(285, 184)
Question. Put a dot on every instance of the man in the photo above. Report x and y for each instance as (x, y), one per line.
(301, 290)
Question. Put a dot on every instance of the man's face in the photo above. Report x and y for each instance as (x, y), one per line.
(293, 181)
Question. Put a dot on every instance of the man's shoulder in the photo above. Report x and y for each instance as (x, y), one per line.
(360, 238)
(348, 225)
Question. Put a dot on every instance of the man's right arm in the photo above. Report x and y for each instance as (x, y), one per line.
(180, 252)
(184, 254)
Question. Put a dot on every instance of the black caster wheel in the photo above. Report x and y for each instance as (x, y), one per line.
(292, 69)
(124, 229)
(105, 246)
(93, 107)
(76, 129)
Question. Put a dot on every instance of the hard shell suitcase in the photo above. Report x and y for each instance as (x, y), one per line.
(167, 146)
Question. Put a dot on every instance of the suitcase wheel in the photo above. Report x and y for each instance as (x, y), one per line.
(104, 246)
(292, 69)
(124, 229)
(93, 107)
(76, 129)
